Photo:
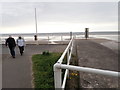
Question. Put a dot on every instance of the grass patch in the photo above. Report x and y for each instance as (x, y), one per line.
(43, 69)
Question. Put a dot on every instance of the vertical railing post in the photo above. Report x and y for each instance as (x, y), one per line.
(71, 46)
(70, 35)
(61, 39)
(68, 56)
(57, 68)
(57, 77)
(68, 53)
(48, 39)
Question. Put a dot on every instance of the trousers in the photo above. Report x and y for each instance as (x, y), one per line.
(12, 51)
(21, 48)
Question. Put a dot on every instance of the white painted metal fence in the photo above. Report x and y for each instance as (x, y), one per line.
(59, 83)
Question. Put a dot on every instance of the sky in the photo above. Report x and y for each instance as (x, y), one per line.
(19, 17)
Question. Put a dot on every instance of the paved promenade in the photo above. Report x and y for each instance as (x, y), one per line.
(17, 73)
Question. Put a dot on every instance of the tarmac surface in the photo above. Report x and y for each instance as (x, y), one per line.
(93, 54)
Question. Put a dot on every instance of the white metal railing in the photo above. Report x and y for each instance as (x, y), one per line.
(57, 71)
(58, 66)
(86, 69)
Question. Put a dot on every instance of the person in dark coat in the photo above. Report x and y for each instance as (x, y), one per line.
(10, 42)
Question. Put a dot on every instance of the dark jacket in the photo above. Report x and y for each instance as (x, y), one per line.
(10, 42)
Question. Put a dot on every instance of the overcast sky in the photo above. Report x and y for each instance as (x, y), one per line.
(19, 17)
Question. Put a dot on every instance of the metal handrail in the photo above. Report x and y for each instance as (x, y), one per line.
(64, 53)
(90, 70)
(57, 72)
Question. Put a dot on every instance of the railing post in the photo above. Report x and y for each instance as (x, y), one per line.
(57, 77)
(71, 46)
(57, 68)
(48, 39)
(61, 39)
(68, 53)
(70, 35)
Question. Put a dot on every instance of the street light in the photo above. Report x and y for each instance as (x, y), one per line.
(35, 36)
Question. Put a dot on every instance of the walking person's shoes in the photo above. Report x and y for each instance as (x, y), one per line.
(21, 54)
(13, 56)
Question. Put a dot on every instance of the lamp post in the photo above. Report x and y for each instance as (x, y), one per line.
(35, 36)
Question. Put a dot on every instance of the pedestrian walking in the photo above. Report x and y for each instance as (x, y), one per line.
(21, 44)
(10, 42)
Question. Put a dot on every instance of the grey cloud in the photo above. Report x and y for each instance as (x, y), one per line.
(23, 13)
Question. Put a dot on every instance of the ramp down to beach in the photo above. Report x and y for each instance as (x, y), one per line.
(94, 55)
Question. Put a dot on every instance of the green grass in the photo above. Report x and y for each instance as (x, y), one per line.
(43, 69)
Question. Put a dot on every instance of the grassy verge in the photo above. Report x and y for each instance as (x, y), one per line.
(43, 69)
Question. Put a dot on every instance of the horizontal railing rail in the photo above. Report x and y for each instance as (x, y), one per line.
(90, 70)
(65, 52)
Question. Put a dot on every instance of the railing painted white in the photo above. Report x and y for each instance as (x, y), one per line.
(57, 71)
(58, 66)
(86, 69)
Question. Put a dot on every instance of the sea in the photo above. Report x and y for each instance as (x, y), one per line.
(62, 36)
